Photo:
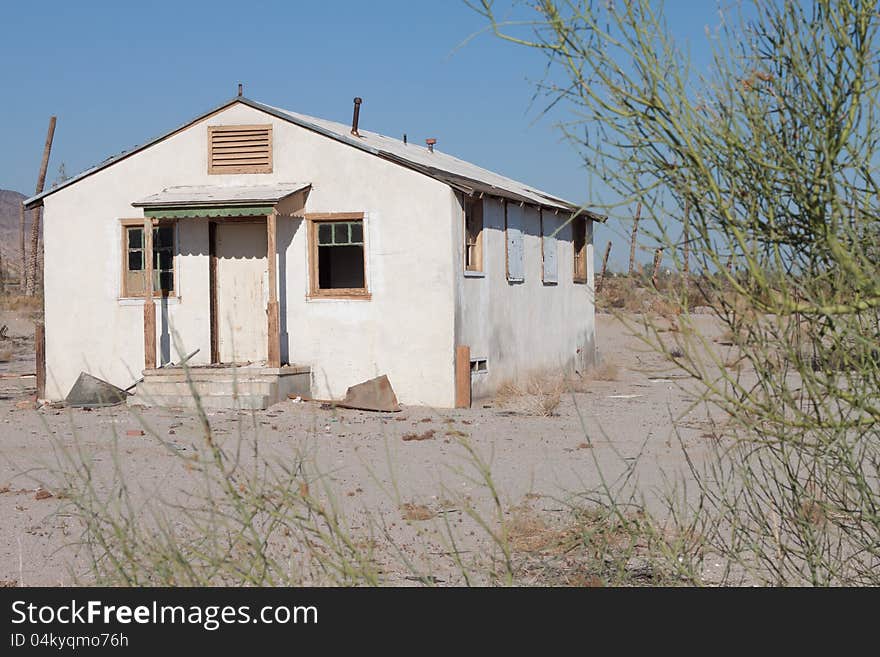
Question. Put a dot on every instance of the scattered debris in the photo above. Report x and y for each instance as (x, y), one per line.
(134, 433)
(412, 511)
(8, 583)
(373, 395)
(297, 400)
(3, 332)
(28, 404)
(43, 494)
(624, 396)
(428, 435)
(92, 392)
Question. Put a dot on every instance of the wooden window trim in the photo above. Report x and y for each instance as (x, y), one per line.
(478, 243)
(124, 225)
(251, 168)
(314, 218)
(579, 260)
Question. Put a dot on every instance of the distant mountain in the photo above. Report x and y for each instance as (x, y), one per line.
(9, 229)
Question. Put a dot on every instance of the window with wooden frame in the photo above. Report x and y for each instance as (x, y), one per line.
(473, 234)
(134, 273)
(239, 149)
(337, 255)
(579, 246)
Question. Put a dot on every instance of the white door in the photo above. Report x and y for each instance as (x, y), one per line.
(242, 292)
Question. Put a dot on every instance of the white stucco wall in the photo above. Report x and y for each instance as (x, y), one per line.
(406, 330)
(526, 328)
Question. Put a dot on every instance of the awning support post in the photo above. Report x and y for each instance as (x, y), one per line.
(149, 305)
(274, 332)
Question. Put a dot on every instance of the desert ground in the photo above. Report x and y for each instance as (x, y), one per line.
(379, 466)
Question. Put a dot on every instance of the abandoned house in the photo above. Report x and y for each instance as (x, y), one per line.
(290, 254)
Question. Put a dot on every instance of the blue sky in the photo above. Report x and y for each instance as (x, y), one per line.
(118, 73)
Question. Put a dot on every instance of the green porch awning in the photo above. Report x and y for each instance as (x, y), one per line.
(210, 212)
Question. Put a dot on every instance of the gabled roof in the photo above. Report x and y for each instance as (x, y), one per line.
(460, 175)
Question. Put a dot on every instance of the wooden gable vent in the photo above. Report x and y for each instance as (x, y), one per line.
(240, 149)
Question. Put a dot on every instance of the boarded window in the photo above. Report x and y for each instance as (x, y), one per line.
(549, 248)
(240, 149)
(579, 246)
(338, 257)
(473, 230)
(513, 230)
(134, 269)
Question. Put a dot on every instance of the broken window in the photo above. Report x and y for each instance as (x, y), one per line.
(134, 270)
(338, 258)
(579, 245)
(473, 229)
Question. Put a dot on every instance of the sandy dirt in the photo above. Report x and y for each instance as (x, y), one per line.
(372, 469)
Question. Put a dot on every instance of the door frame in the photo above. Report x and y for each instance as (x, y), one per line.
(213, 278)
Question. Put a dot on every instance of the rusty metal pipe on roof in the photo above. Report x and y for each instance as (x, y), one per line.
(356, 116)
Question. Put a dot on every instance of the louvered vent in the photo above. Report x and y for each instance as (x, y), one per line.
(240, 149)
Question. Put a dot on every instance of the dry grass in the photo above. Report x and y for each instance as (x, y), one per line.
(585, 548)
(604, 371)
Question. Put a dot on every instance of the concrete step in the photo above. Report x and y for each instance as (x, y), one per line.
(210, 402)
(158, 386)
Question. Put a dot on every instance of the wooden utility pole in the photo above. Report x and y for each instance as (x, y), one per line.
(22, 272)
(658, 256)
(35, 225)
(604, 267)
(632, 244)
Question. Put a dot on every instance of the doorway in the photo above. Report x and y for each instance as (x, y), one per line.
(239, 291)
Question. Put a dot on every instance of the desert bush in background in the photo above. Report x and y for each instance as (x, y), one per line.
(773, 150)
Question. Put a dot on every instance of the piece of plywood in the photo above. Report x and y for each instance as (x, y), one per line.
(549, 247)
(40, 349)
(462, 376)
(89, 392)
(513, 221)
(373, 395)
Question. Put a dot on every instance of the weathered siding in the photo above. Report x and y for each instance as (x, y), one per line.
(528, 327)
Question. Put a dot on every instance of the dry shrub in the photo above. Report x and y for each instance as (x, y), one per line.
(545, 394)
(604, 371)
(506, 393)
(588, 547)
(541, 395)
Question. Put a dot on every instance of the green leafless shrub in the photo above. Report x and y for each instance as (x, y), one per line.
(774, 149)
